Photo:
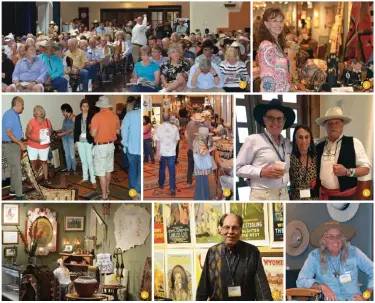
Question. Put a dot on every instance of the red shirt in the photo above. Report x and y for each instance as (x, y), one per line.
(36, 127)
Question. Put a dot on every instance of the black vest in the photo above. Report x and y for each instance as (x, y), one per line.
(346, 158)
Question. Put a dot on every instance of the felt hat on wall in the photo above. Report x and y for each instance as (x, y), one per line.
(297, 238)
(342, 212)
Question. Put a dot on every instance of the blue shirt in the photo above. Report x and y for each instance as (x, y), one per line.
(11, 120)
(131, 132)
(54, 65)
(205, 81)
(101, 31)
(30, 71)
(94, 54)
(311, 272)
(147, 72)
(129, 43)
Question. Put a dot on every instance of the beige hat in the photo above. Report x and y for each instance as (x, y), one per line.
(203, 131)
(317, 233)
(197, 117)
(52, 22)
(333, 113)
(103, 102)
(297, 238)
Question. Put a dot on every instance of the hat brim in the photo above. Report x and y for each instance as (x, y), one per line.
(97, 104)
(315, 236)
(323, 120)
(290, 228)
(261, 109)
(342, 215)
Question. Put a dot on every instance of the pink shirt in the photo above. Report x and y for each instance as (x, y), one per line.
(146, 133)
(274, 68)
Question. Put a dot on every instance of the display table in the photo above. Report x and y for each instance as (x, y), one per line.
(95, 297)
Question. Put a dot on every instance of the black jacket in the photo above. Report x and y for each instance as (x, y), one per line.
(77, 128)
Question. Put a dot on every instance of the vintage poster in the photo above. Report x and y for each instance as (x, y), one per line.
(255, 222)
(199, 258)
(207, 217)
(158, 224)
(276, 224)
(177, 222)
(159, 275)
(274, 268)
(180, 275)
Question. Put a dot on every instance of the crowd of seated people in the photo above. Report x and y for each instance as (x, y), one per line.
(167, 58)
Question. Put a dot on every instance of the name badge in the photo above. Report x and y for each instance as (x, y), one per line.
(305, 193)
(345, 278)
(83, 135)
(234, 291)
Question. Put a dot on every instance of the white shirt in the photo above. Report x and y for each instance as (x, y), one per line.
(125, 50)
(328, 179)
(62, 276)
(139, 33)
(168, 136)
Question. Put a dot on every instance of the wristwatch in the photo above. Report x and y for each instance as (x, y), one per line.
(348, 172)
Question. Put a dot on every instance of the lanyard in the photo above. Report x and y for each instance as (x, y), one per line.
(232, 272)
(274, 147)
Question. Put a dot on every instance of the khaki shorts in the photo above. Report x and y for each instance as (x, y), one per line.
(275, 194)
(103, 159)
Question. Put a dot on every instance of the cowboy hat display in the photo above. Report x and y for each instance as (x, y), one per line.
(297, 238)
(103, 102)
(261, 109)
(315, 236)
(334, 113)
(342, 212)
(203, 131)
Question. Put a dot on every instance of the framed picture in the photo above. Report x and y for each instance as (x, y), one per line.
(11, 214)
(68, 248)
(10, 237)
(74, 223)
(10, 252)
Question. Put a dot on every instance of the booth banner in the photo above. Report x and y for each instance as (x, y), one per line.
(180, 273)
(158, 224)
(274, 268)
(177, 221)
(255, 222)
(207, 217)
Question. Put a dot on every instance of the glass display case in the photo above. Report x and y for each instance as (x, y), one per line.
(11, 278)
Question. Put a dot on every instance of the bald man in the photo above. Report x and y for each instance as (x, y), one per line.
(12, 145)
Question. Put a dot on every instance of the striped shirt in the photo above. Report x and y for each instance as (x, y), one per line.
(234, 74)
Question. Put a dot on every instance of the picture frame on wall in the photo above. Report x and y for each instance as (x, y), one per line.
(11, 215)
(10, 252)
(73, 223)
(10, 237)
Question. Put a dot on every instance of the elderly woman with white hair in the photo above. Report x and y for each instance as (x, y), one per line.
(205, 76)
(334, 265)
(234, 71)
(174, 72)
(62, 274)
(39, 132)
(123, 49)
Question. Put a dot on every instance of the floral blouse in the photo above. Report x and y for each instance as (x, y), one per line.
(170, 71)
(200, 148)
(274, 68)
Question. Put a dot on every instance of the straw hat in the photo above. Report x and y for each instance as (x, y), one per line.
(334, 113)
(297, 238)
(203, 131)
(103, 102)
(315, 236)
(197, 117)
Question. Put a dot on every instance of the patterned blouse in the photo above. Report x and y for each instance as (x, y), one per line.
(274, 68)
(200, 148)
(297, 174)
(170, 71)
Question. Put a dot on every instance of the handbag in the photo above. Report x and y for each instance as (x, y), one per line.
(202, 162)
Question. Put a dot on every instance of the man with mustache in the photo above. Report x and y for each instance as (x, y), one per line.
(233, 269)
(340, 159)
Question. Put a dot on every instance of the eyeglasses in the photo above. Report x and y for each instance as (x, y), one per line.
(331, 238)
(278, 119)
(227, 228)
(276, 21)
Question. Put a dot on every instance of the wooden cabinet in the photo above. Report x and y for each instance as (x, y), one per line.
(78, 265)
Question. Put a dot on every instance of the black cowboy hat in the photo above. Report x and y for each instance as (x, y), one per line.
(261, 109)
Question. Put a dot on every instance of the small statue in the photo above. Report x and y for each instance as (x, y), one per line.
(62, 274)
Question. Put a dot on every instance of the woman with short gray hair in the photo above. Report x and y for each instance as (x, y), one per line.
(39, 132)
(205, 76)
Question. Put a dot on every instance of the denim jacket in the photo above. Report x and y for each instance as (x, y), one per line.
(311, 272)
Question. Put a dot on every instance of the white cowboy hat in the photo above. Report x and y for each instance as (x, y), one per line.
(103, 102)
(52, 22)
(333, 113)
(197, 117)
(297, 238)
(342, 212)
(203, 131)
(236, 44)
(9, 37)
(315, 236)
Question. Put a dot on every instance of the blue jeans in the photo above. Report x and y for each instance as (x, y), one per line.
(84, 75)
(70, 154)
(92, 69)
(147, 150)
(134, 172)
(171, 163)
(61, 84)
(138, 88)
